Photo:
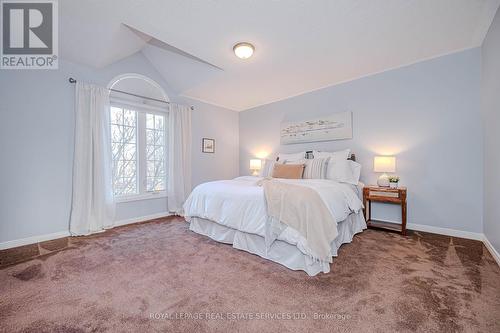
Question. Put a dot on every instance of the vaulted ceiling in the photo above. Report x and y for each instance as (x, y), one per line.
(300, 45)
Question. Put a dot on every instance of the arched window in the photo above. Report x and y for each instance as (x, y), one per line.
(139, 132)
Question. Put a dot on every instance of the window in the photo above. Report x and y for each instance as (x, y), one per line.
(155, 148)
(124, 148)
(138, 142)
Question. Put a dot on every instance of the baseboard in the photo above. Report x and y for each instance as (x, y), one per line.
(33, 240)
(61, 234)
(445, 231)
(458, 233)
(493, 251)
(141, 219)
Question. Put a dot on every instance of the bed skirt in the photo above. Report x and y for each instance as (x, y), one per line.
(280, 251)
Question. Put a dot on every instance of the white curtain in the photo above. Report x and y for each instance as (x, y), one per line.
(179, 162)
(93, 206)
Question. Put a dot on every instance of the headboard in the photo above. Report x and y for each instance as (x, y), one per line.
(309, 155)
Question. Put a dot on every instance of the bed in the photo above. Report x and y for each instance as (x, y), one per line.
(234, 212)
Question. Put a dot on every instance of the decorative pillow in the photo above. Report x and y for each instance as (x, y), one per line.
(315, 168)
(288, 171)
(283, 158)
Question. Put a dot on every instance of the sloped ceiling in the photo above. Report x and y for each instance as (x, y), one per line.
(300, 45)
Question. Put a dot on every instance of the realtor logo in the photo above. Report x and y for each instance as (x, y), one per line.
(29, 34)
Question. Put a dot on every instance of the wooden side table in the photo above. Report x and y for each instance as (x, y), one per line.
(387, 195)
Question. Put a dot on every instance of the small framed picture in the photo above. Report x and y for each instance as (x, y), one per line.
(208, 145)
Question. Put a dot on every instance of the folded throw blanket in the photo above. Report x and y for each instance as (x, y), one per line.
(303, 209)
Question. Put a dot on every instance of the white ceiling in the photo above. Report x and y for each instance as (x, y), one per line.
(300, 45)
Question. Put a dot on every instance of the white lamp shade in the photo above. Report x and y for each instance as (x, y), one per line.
(384, 164)
(255, 164)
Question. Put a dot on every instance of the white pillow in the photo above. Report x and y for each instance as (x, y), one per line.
(336, 155)
(301, 161)
(356, 172)
(343, 171)
(267, 168)
(283, 158)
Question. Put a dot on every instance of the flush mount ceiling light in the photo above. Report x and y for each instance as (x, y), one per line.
(243, 50)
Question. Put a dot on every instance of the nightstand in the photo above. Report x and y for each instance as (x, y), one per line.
(387, 195)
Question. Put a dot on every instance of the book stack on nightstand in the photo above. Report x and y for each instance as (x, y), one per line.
(387, 195)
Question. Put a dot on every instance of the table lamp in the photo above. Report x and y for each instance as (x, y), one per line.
(384, 164)
(255, 165)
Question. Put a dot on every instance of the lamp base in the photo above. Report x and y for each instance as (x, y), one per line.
(255, 172)
(383, 180)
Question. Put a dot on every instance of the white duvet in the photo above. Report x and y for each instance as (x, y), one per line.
(240, 204)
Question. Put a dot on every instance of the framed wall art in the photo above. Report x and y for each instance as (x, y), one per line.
(208, 145)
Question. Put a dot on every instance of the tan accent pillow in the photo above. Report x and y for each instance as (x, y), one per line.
(289, 171)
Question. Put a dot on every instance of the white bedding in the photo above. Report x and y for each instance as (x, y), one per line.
(240, 204)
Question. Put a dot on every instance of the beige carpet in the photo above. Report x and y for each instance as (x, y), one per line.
(159, 276)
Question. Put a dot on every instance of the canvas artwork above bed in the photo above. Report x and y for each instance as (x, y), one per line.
(337, 126)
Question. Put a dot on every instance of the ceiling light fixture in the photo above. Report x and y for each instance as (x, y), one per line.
(243, 50)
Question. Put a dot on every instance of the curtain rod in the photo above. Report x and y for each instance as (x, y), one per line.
(71, 80)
